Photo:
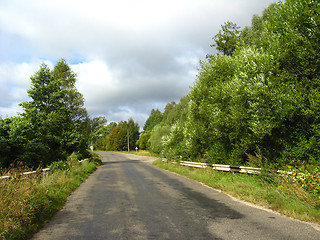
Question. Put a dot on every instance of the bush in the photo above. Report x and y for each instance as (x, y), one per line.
(27, 201)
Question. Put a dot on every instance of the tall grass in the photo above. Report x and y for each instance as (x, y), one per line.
(272, 191)
(27, 202)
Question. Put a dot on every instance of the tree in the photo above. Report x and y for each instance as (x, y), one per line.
(117, 139)
(168, 115)
(110, 126)
(98, 132)
(133, 131)
(250, 35)
(143, 141)
(57, 111)
(154, 119)
(156, 139)
(176, 112)
(291, 35)
(19, 143)
(5, 145)
(226, 39)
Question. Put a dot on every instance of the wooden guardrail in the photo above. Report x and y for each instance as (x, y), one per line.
(44, 170)
(28, 173)
(220, 167)
(236, 169)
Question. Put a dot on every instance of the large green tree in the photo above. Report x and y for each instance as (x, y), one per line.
(57, 112)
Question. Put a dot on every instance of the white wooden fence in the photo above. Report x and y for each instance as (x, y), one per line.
(44, 170)
(229, 168)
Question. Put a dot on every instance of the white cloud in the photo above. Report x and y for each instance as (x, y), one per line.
(130, 56)
(13, 82)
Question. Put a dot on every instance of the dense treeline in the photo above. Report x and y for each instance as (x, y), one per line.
(53, 125)
(115, 136)
(256, 101)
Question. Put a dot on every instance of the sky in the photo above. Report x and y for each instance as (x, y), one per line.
(130, 56)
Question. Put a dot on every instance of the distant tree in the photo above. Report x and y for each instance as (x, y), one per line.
(181, 109)
(110, 126)
(101, 142)
(226, 39)
(174, 112)
(154, 119)
(98, 132)
(169, 113)
(117, 139)
(133, 131)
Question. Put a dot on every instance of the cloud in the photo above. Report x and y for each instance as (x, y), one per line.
(130, 56)
(13, 82)
(104, 91)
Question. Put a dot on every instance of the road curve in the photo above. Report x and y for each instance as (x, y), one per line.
(126, 198)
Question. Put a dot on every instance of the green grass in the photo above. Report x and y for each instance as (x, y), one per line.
(27, 202)
(273, 192)
(142, 153)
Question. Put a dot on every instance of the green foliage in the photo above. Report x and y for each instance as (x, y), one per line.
(20, 143)
(226, 39)
(117, 139)
(308, 177)
(98, 132)
(157, 136)
(154, 119)
(143, 142)
(27, 202)
(260, 98)
(54, 122)
(174, 112)
(169, 115)
(291, 34)
(133, 131)
(174, 142)
(65, 165)
(173, 115)
(250, 35)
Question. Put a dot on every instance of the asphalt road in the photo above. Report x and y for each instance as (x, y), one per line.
(128, 198)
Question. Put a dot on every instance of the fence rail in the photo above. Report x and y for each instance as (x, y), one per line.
(44, 170)
(220, 167)
(236, 169)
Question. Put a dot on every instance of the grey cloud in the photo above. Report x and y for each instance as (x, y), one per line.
(147, 51)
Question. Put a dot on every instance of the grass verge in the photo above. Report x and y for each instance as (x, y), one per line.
(27, 202)
(141, 153)
(279, 194)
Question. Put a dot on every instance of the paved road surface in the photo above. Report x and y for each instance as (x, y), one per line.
(127, 198)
